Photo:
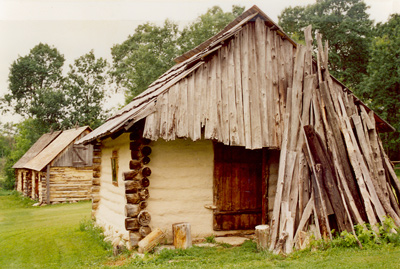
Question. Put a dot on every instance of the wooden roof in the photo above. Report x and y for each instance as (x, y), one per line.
(49, 153)
(39, 145)
(145, 104)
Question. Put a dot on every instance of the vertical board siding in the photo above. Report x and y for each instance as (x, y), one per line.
(238, 95)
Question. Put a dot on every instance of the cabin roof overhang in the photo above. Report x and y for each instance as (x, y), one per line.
(145, 103)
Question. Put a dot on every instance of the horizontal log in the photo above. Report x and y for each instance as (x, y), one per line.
(134, 238)
(95, 206)
(146, 151)
(130, 175)
(138, 153)
(97, 168)
(132, 186)
(132, 224)
(95, 189)
(145, 171)
(97, 153)
(142, 205)
(145, 182)
(132, 210)
(96, 181)
(135, 164)
(96, 174)
(144, 231)
(96, 160)
(144, 194)
(135, 145)
(132, 198)
(95, 198)
(144, 218)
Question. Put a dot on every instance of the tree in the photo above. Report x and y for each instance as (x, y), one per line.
(144, 56)
(381, 86)
(206, 26)
(31, 76)
(28, 132)
(38, 90)
(85, 91)
(347, 27)
(151, 50)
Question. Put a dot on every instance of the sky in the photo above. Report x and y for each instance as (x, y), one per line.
(75, 27)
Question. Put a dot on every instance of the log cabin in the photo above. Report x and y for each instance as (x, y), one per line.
(248, 128)
(56, 170)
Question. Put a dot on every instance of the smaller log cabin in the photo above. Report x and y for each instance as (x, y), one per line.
(246, 129)
(54, 169)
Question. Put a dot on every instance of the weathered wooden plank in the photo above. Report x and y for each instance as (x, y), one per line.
(232, 113)
(198, 99)
(211, 131)
(218, 90)
(356, 167)
(255, 110)
(308, 61)
(269, 113)
(319, 155)
(238, 88)
(225, 118)
(281, 177)
(172, 112)
(244, 59)
(335, 140)
(260, 34)
(190, 106)
(296, 96)
(164, 115)
(275, 88)
(182, 128)
(320, 210)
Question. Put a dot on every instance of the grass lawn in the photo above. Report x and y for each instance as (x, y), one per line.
(50, 237)
(45, 237)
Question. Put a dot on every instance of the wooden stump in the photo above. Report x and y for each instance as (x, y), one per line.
(182, 235)
(150, 241)
(262, 237)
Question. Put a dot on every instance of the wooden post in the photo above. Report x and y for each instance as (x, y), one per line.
(48, 184)
(262, 237)
(182, 235)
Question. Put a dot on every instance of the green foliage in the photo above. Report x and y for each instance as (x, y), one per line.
(38, 89)
(381, 87)
(347, 27)
(151, 49)
(85, 91)
(28, 132)
(144, 56)
(210, 239)
(41, 70)
(206, 26)
(95, 232)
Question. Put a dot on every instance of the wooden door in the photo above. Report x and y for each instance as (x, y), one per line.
(237, 188)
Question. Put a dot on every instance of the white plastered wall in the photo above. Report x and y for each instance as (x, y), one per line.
(181, 184)
(110, 213)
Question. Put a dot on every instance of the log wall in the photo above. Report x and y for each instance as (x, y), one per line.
(70, 184)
